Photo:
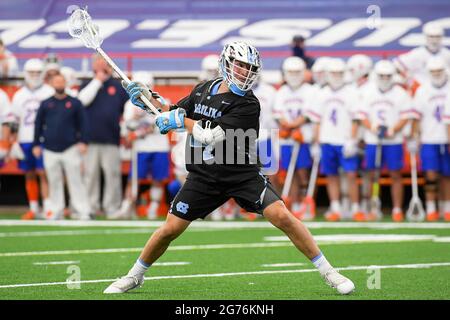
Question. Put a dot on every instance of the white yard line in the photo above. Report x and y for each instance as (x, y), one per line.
(157, 264)
(279, 265)
(360, 238)
(139, 249)
(232, 274)
(229, 224)
(51, 263)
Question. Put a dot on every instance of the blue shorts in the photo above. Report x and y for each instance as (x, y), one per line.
(266, 154)
(435, 157)
(391, 157)
(30, 162)
(333, 158)
(304, 160)
(152, 164)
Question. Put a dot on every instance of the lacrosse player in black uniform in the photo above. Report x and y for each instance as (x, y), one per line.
(222, 119)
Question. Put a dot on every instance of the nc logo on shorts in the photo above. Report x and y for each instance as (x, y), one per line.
(182, 207)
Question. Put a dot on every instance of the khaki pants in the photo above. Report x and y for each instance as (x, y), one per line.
(104, 157)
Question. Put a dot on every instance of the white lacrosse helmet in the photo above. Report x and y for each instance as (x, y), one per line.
(319, 70)
(293, 71)
(240, 65)
(144, 77)
(438, 73)
(433, 36)
(210, 67)
(336, 73)
(384, 71)
(359, 65)
(33, 70)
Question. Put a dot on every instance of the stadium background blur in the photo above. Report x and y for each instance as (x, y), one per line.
(170, 39)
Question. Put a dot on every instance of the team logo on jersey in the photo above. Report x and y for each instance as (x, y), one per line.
(112, 90)
(68, 105)
(182, 207)
(207, 111)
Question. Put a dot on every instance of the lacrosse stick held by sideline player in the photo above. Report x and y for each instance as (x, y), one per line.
(308, 211)
(375, 202)
(298, 139)
(80, 26)
(415, 211)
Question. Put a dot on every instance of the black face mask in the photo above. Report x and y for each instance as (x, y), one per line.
(60, 91)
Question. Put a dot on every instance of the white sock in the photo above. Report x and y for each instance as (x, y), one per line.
(396, 210)
(335, 206)
(355, 207)
(321, 263)
(447, 206)
(431, 206)
(34, 206)
(139, 268)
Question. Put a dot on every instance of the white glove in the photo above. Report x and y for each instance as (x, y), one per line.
(315, 150)
(412, 145)
(350, 148)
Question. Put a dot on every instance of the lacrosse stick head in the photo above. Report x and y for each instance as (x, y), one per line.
(80, 26)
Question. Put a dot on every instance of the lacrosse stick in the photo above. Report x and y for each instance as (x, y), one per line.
(308, 211)
(81, 27)
(415, 210)
(134, 173)
(290, 172)
(375, 202)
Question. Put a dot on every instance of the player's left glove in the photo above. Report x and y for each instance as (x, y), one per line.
(135, 90)
(169, 120)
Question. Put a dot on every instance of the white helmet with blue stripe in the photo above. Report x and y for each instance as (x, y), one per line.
(240, 65)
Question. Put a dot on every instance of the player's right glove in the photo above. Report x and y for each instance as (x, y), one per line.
(169, 120)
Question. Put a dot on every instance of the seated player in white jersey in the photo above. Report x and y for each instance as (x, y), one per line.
(25, 104)
(214, 114)
(291, 102)
(151, 151)
(412, 64)
(385, 111)
(429, 103)
(334, 118)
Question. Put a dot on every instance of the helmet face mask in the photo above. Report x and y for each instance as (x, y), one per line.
(240, 65)
(34, 73)
(438, 77)
(336, 73)
(384, 71)
(294, 71)
(433, 37)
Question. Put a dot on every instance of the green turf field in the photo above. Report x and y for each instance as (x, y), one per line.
(223, 260)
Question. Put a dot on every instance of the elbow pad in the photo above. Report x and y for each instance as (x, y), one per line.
(207, 135)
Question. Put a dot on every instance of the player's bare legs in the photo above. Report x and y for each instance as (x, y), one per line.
(333, 189)
(432, 191)
(397, 195)
(32, 189)
(353, 192)
(283, 219)
(43, 184)
(154, 248)
(445, 183)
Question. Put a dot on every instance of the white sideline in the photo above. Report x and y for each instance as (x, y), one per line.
(361, 238)
(228, 224)
(212, 275)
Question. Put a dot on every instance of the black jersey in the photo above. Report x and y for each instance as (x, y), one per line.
(234, 159)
